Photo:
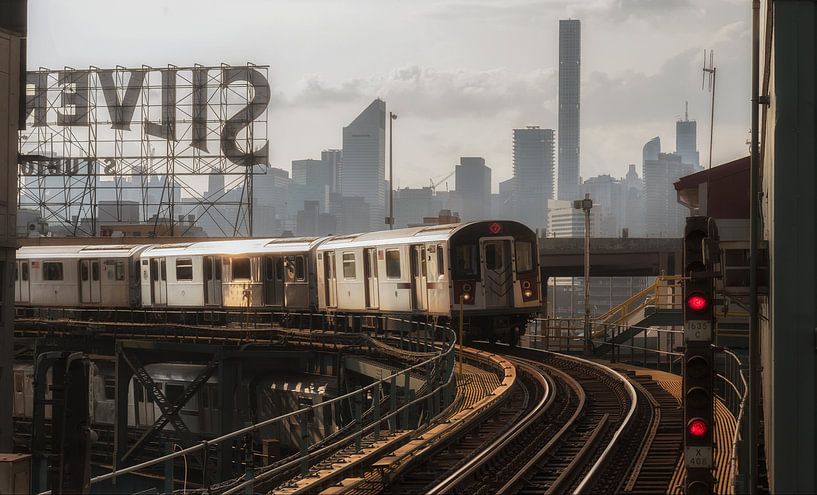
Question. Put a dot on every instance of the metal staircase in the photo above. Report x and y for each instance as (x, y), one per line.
(657, 305)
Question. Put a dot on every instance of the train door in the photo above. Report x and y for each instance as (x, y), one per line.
(330, 276)
(212, 280)
(22, 285)
(497, 274)
(370, 273)
(419, 278)
(273, 280)
(145, 410)
(158, 278)
(90, 285)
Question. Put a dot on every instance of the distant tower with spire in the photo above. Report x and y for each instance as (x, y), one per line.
(686, 140)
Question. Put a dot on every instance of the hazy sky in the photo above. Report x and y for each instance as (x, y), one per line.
(461, 74)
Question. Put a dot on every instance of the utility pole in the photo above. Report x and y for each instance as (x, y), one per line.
(754, 234)
(586, 205)
(390, 219)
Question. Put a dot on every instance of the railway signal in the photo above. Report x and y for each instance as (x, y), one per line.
(701, 252)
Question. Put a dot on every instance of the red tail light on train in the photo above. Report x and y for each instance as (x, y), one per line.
(464, 290)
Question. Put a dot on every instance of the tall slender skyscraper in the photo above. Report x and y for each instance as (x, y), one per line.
(363, 170)
(569, 107)
(533, 174)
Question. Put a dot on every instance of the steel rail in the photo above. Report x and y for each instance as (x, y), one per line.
(584, 485)
(582, 397)
(477, 461)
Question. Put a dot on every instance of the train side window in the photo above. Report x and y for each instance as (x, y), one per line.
(53, 271)
(25, 271)
(154, 270)
(18, 383)
(184, 269)
(300, 268)
(392, 264)
(524, 256)
(163, 265)
(440, 261)
(95, 271)
(83, 271)
(349, 269)
(173, 392)
(16, 272)
(241, 268)
(466, 260)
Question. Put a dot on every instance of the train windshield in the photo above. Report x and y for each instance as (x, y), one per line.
(524, 256)
(466, 261)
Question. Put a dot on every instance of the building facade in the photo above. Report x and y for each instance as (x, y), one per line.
(473, 188)
(363, 170)
(663, 215)
(533, 175)
(569, 107)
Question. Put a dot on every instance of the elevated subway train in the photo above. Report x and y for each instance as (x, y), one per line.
(488, 267)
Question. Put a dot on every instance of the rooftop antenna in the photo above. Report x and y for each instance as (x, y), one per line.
(686, 111)
(709, 73)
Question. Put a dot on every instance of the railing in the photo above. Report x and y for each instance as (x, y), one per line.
(405, 411)
(665, 293)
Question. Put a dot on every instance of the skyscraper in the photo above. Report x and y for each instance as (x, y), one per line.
(533, 174)
(664, 216)
(569, 107)
(363, 170)
(686, 140)
(473, 187)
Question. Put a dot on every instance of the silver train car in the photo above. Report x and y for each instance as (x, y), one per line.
(489, 268)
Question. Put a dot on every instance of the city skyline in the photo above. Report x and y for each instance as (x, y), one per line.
(462, 99)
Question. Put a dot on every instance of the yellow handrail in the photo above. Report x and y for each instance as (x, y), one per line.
(660, 294)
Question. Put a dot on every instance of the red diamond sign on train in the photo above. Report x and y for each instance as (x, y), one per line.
(495, 228)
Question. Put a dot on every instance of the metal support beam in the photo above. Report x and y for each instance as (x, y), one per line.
(170, 410)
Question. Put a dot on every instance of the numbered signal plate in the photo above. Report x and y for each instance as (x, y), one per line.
(698, 457)
(697, 330)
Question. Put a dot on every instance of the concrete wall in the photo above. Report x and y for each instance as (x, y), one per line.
(790, 333)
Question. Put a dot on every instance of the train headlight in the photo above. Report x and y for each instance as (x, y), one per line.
(466, 297)
(528, 293)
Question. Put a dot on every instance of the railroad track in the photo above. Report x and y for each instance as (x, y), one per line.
(626, 440)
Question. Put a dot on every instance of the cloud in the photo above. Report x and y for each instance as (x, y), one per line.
(442, 94)
(621, 10)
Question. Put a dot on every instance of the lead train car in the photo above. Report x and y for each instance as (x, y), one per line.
(489, 267)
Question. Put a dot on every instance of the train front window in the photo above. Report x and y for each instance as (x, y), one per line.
(466, 261)
(524, 256)
(492, 257)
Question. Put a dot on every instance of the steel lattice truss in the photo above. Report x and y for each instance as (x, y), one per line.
(102, 143)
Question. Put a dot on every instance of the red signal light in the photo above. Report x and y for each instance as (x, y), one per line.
(697, 302)
(698, 428)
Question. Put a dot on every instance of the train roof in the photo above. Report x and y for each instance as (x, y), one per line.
(234, 247)
(79, 251)
(432, 233)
